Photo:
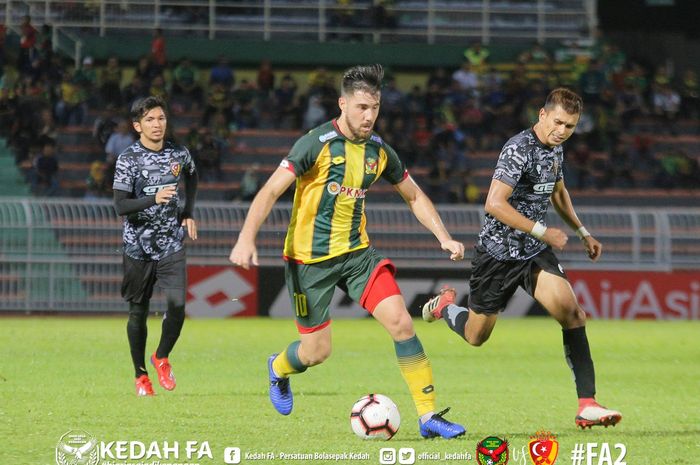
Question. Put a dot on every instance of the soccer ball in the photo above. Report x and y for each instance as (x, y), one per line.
(375, 417)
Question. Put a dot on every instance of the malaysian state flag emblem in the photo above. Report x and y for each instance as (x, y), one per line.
(175, 168)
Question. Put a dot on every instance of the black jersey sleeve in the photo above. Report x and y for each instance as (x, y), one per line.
(191, 181)
(126, 205)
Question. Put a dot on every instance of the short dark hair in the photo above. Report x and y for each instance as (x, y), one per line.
(143, 105)
(366, 78)
(569, 100)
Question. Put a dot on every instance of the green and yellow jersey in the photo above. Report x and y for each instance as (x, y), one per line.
(333, 175)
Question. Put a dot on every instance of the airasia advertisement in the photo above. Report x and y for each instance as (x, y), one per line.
(223, 292)
(638, 294)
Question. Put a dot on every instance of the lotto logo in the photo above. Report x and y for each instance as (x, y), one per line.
(221, 292)
(592, 453)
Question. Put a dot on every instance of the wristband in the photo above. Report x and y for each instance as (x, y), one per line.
(538, 230)
(582, 232)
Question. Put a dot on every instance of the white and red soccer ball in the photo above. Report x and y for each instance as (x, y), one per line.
(375, 416)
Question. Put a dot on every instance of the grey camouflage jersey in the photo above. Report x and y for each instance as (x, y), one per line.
(156, 232)
(531, 169)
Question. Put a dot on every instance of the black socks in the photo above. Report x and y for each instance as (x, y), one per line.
(578, 357)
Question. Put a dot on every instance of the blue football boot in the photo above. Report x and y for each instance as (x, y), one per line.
(280, 392)
(438, 426)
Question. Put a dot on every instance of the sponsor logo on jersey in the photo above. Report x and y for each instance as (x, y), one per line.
(334, 188)
(371, 166)
(327, 136)
(376, 139)
(338, 160)
(175, 168)
(153, 190)
(544, 188)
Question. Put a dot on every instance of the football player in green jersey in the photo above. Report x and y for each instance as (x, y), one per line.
(327, 245)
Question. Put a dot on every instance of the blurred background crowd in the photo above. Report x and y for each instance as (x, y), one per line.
(441, 121)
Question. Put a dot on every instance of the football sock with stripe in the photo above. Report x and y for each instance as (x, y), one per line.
(416, 370)
(137, 332)
(456, 318)
(287, 362)
(578, 357)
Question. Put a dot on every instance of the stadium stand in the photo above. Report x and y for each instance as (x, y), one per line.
(397, 20)
(447, 131)
(637, 146)
(267, 147)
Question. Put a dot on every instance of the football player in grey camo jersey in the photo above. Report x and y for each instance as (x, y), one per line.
(146, 182)
(515, 248)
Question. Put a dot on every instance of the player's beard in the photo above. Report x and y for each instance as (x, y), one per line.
(358, 132)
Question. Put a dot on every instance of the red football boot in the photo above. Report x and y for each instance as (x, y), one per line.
(144, 386)
(166, 378)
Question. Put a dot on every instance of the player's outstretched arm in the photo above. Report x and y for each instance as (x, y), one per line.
(244, 253)
(497, 205)
(565, 208)
(425, 212)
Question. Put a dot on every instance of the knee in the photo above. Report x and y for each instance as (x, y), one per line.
(176, 303)
(574, 318)
(400, 327)
(138, 311)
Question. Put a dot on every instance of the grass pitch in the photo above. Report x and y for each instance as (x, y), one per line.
(61, 374)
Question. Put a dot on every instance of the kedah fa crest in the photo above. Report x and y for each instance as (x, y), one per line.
(77, 447)
(371, 166)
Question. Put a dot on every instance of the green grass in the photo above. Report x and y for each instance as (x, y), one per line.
(58, 374)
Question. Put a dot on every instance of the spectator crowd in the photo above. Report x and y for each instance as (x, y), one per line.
(440, 125)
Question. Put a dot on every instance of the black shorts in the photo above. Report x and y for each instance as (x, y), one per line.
(494, 282)
(140, 276)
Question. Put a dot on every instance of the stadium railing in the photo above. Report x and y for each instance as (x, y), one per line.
(432, 21)
(65, 254)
